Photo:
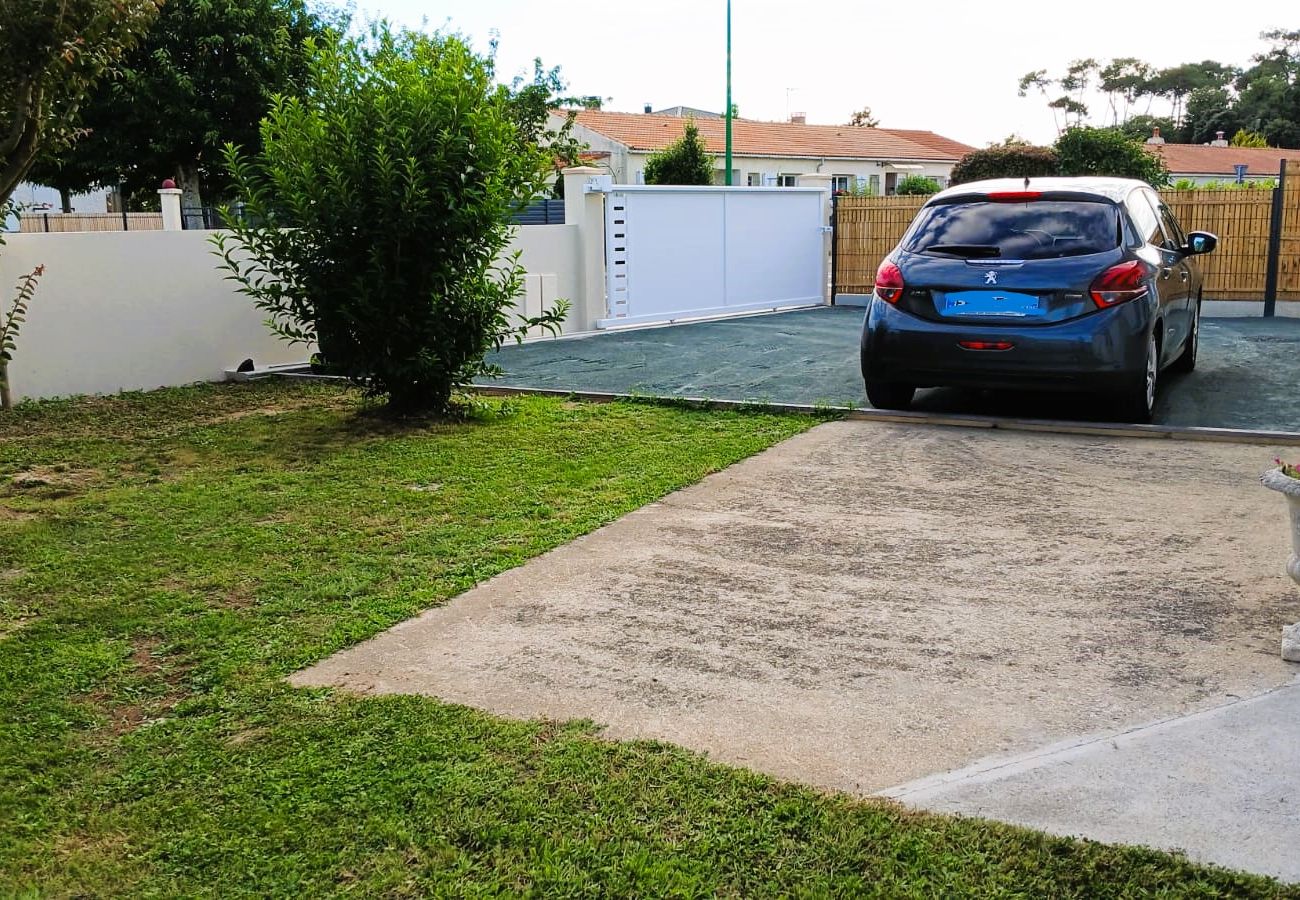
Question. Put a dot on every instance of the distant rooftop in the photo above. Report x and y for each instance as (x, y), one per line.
(654, 131)
(1206, 159)
(687, 112)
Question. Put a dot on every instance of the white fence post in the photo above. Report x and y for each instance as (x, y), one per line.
(169, 198)
(586, 212)
(819, 180)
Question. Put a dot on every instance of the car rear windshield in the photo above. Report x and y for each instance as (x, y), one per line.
(1037, 229)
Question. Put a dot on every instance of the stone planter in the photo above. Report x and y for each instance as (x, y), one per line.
(1290, 488)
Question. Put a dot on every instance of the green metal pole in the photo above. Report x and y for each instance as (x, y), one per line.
(728, 181)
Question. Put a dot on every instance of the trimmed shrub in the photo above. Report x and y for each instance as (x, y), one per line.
(1006, 162)
(918, 185)
(1110, 152)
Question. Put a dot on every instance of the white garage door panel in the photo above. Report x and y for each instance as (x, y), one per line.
(676, 253)
(774, 248)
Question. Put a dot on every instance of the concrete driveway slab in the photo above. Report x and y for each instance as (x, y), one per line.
(1222, 785)
(866, 604)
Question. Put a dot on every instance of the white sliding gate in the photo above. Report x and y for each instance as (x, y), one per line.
(688, 252)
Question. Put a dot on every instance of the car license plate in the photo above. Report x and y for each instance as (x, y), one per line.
(993, 303)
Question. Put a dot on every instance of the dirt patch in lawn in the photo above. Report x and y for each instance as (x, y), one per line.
(49, 482)
(867, 604)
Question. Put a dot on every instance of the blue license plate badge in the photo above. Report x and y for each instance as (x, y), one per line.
(993, 303)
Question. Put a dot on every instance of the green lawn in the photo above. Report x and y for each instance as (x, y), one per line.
(166, 558)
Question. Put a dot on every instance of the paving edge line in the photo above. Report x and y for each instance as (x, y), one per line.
(957, 420)
(996, 768)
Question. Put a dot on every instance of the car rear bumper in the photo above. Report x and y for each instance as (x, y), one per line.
(1103, 351)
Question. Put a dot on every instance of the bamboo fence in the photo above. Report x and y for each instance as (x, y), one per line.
(53, 223)
(868, 228)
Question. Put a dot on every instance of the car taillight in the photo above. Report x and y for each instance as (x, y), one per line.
(1014, 196)
(1119, 284)
(889, 282)
(986, 345)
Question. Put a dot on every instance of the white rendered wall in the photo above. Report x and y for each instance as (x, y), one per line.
(121, 311)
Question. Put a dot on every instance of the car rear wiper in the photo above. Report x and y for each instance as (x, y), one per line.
(969, 251)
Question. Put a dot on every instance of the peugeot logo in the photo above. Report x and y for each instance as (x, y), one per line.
(990, 277)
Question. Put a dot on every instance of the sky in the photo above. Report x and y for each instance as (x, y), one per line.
(943, 65)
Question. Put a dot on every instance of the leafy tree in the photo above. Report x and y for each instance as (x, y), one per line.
(378, 209)
(917, 185)
(1244, 138)
(685, 161)
(532, 106)
(1269, 92)
(204, 76)
(1012, 140)
(1108, 151)
(1006, 161)
(1124, 80)
(1209, 111)
(54, 52)
(1176, 83)
(67, 171)
(1141, 127)
(1069, 108)
(863, 118)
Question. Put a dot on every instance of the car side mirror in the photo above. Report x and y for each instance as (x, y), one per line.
(1200, 242)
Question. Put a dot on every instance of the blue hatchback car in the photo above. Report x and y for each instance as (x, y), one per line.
(1072, 284)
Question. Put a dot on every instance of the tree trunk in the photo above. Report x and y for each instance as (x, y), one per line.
(6, 401)
(187, 179)
(65, 199)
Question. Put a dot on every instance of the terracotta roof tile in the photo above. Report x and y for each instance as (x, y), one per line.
(640, 131)
(1200, 159)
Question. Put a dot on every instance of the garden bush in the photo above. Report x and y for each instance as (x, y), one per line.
(917, 184)
(1110, 152)
(377, 214)
(1013, 161)
(685, 161)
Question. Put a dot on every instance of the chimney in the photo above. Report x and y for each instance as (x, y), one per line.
(1219, 140)
(648, 109)
(1155, 136)
(798, 118)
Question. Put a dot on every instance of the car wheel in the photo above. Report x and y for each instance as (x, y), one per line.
(1139, 401)
(888, 395)
(1186, 361)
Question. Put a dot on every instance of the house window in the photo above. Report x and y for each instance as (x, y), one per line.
(786, 180)
(755, 179)
(873, 183)
(840, 183)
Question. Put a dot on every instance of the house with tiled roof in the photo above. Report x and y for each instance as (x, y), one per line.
(774, 153)
(1218, 161)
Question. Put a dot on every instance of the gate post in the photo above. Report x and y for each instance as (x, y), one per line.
(1275, 224)
(586, 211)
(818, 180)
(169, 201)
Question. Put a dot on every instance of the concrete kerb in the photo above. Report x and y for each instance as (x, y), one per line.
(994, 768)
(956, 420)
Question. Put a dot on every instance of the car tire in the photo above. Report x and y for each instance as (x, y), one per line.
(889, 395)
(1186, 361)
(1138, 402)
